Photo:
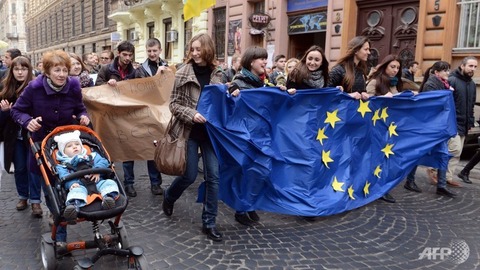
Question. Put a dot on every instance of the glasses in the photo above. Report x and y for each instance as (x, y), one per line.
(104, 58)
(20, 69)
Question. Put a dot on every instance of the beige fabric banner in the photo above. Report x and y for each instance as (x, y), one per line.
(130, 116)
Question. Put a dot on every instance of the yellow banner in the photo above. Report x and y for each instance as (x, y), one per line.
(193, 8)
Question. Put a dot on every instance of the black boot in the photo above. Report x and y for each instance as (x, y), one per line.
(464, 176)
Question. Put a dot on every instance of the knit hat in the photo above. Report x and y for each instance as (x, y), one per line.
(63, 139)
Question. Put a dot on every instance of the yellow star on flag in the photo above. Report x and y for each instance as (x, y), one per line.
(377, 171)
(365, 189)
(388, 150)
(376, 116)
(384, 114)
(326, 158)
(337, 186)
(332, 118)
(321, 135)
(363, 108)
(350, 193)
(392, 129)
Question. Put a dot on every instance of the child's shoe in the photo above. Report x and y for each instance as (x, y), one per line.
(108, 202)
(70, 213)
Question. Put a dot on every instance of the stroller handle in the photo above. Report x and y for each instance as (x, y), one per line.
(79, 174)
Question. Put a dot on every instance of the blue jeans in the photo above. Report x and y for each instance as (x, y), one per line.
(442, 178)
(153, 173)
(27, 186)
(210, 169)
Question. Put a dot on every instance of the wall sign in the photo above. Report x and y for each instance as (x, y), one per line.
(259, 20)
(295, 5)
(307, 23)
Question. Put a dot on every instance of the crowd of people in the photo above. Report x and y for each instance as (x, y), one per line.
(40, 99)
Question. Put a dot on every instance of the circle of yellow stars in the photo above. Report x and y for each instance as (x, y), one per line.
(331, 119)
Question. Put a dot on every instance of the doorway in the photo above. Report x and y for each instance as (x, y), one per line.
(391, 27)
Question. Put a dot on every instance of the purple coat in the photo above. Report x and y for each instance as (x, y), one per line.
(55, 108)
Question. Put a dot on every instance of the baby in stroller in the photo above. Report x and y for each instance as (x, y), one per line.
(71, 157)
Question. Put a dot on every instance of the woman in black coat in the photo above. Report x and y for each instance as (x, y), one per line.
(14, 137)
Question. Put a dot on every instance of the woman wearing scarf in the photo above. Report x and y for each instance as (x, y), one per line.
(311, 72)
(387, 79)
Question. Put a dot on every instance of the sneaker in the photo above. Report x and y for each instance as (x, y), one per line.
(156, 189)
(22, 205)
(108, 203)
(70, 213)
(37, 210)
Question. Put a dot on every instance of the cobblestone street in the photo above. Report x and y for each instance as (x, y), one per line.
(377, 236)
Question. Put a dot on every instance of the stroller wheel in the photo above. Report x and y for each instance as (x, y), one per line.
(138, 262)
(123, 235)
(49, 259)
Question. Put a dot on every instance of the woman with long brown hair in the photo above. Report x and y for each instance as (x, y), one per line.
(351, 70)
(200, 69)
(386, 80)
(311, 71)
(16, 145)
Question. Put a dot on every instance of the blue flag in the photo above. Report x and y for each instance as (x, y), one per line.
(320, 152)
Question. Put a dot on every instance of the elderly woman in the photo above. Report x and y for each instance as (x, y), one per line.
(53, 99)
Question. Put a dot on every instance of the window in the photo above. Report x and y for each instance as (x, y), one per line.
(94, 47)
(94, 14)
(151, 29)
(131, 35)
(82, 16)
(259, 7)
(73, 20)
(167, 23)
(106, 10)
(219, 19)
(188, 34)
(63, 25)
(469, 32)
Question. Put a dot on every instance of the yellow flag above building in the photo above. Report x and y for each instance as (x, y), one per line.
(193, 8)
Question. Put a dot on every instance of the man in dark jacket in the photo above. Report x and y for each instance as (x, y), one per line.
(152, 66)
(465, 97)
(10, 54)
(122, 69)
(409, 71)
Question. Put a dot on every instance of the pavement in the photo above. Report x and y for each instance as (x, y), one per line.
(420, 231)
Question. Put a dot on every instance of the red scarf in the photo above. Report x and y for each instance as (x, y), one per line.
(445, 82)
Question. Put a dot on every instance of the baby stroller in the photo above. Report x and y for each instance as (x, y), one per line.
(116, 241)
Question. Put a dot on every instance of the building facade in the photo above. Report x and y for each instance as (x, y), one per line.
(421, 30)
(139, 20)
(74, 26)
(12, 25)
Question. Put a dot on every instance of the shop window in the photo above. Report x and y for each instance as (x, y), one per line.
(469, 32)
(219, 33)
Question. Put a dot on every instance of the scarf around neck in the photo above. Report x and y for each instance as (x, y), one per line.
(54, 87)
(315, 80)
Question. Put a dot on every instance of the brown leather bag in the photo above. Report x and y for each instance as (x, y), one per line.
(171, 154)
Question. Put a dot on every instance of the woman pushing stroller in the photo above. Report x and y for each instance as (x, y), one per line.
(72, 157)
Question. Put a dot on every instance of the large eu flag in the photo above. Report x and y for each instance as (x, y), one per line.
(320, 152)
